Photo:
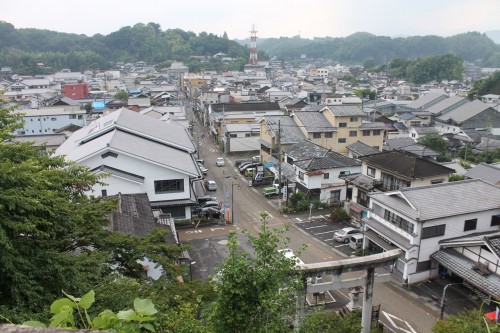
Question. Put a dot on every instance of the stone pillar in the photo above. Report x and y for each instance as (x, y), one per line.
(366, 317)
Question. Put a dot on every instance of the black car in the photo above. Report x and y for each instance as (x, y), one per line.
(210, 212)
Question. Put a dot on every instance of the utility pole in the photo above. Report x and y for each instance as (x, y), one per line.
(279, 165)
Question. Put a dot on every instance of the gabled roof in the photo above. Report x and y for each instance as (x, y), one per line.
(345, 110)
(332, 160)
(426, 100)
(464, 112)
(314, 121)
(361, 181)
(290, 132)
(133, 134)
(446, 104)
(405, 165)
(485, 172)
(442, 200)
(306, 149)
(362, 149)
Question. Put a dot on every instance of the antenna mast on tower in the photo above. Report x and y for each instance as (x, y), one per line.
(253, 47)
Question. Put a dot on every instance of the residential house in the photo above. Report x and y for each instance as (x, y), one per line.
(317, 171)
(359, 149)
(138, 154)
(417, 133)
(408, 145)
(415, 118)
(474, 260)
(48, 120)
(421, 220)
(76, 90)
(277, 133)
(389, 171)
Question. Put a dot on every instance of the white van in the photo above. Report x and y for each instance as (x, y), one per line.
(356, 241)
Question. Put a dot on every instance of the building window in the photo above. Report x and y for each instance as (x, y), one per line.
(435, 231)
(345, 173)
(342, 140)
(335, 196)
(366, 132)
(342, 124)
(72, 116)
(104, 193)
(80, 116)
(470, 224)
(328, 135)
(376, 132)
(301, 175)
(354, 119)
(495, 220)
(247, 135)
(398, 221)
(171, 185)
(326, 176)
(316, 135)
(353, 133)
(233, 135)
(423, 266)
(370, 171)
(53, 119)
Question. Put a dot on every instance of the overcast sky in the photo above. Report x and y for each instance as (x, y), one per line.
(272, 18)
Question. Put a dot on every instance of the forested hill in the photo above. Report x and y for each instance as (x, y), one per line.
(362, 46)
(22, 48)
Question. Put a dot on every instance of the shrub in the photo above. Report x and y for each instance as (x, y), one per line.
(339, 215)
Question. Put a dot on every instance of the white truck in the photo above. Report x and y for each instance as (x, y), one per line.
(271, 190)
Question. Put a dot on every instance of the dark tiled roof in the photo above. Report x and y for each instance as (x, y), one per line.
(463, 267)
(134, 215)
(306, 149)
(330, 161)
(361, 181)
(362, 149)
(406, 165)
(250, 107)
(491, 238)
(346, 110)
(290, 132)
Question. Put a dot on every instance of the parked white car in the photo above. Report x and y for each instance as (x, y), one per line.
(220, 161)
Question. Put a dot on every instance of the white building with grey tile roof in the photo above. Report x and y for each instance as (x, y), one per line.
(138, 154)
(417, 219)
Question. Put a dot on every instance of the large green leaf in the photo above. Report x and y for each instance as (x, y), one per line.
(128, 315)
(87, 300)
(144, 307)
(57, 305)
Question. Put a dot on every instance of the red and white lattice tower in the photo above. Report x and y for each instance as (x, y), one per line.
(253, 47)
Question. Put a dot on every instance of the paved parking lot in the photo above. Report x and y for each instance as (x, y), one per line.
(322, 228)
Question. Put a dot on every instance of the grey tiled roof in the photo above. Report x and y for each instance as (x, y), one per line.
(464, 111)
(485, 172)
(330, 161)
(406, 165)
(346, 110)
(314, 121)
(362, 149)
(490, 238)
(398, 143)
(134, 216)
(313, 107)
(361, 181)
(290, 132)
(372, 125)
(463, 267)
(446, 105)
(442, 200)
(306, 149)
(420, 150)
(426, 100)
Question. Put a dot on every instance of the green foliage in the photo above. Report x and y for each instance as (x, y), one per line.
(141, 318)
(339, 215)
(330, 322)
(434, 142)
(439, 68)
(455, 178)
(471, 321)
(490, 85)
(23, 48)
(122, 95)
(365, 93)
(259, 293)
(298, 202)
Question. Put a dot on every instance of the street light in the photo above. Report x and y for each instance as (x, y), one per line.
(191, 263)
(443, 298)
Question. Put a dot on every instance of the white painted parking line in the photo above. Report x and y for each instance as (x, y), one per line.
(325, 232)
(318, 226)
(345, 244)
(298, 219)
